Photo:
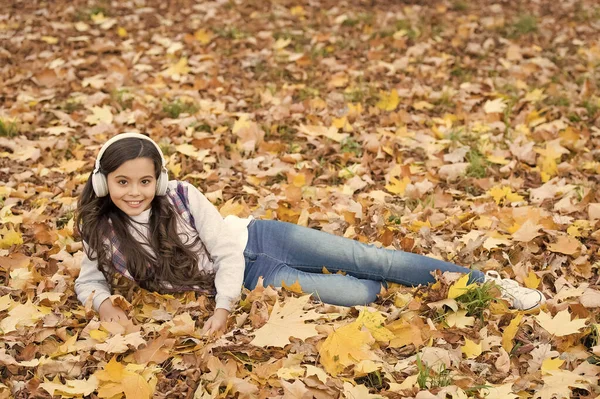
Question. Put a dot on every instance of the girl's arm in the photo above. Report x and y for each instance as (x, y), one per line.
(91, 283)
(223, 247)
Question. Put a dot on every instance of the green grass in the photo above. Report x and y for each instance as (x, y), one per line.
(591, 108)
(123, 97)
(429, 378)
(477, 299)
(478, 164)
(349, 145)
(558, 101)
(524, 25)
(177, 107)
(8, 129)
(460, 6)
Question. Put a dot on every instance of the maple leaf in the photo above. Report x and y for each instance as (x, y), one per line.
(459, 319)
(527, 232)
(388, 101)
(297, 390)
(561, 324)
(345, 347)
(558, 384)
(494, 106)
(120, 343)
(100, 115)
(358, 392)
(503, 391)
(8, 238)
(470, 349)
(460, 287)
(285, 322)
(70, 387)
(177, 70)
(373, 321)
(565, 245)
(510, 332)
(329, 132)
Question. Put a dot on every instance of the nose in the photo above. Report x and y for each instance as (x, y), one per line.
(134, 189)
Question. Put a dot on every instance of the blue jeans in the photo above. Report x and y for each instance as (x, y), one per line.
(285, 252)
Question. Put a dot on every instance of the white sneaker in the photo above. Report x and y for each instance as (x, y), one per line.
(521, 298)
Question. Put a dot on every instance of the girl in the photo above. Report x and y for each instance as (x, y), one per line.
(166, 236)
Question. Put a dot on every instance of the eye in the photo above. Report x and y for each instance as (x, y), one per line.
(146, 181)
(122, 182)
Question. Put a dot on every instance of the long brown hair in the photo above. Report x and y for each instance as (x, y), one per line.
(173, 260)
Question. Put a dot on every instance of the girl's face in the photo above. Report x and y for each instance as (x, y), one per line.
(132, 186)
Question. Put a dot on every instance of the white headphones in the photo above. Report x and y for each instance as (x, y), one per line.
(99, 182)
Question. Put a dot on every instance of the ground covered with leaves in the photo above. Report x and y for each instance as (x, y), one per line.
(466, 131)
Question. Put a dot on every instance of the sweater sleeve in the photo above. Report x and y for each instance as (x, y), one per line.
(222, 246)
(91, 282)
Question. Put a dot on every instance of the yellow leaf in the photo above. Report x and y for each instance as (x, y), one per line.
(178, 69)
(99, 335)
(344, 347)
(397, 186)
(561, 324)
(532, 280)
(286, 321)
(459, 319)
(502, 193)
(50, 39)
(297, 11)
(497, 159)
(388, 101)
(551, 364)
(471, 349)
(421, 105)
(100, 115)
(329, 132)
(191, 151)
(135, 386)
(299, 180)
(460, 287)
(70, 387)
(373, 321)
(121, 32)
(292, 288)
(510, 332)
(114, 371)
(203, 36)
(8, 238)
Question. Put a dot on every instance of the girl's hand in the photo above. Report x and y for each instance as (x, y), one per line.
(217, 323)
(110, 312)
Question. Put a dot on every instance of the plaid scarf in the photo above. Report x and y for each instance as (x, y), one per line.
(179, 199)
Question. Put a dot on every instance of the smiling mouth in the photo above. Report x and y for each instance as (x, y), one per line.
(134, 203)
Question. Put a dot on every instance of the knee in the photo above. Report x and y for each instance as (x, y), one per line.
(359, 292)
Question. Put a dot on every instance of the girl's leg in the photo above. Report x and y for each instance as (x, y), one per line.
(310, 250)
(335, 289)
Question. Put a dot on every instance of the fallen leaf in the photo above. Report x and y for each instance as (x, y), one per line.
(561, 324)
(285, 322)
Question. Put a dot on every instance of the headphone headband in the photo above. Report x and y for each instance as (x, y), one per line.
(127, 136)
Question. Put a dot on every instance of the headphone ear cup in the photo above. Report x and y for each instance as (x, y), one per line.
(100, 184)
(162, 183)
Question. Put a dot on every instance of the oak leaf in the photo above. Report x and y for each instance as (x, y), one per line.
(285, 322)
